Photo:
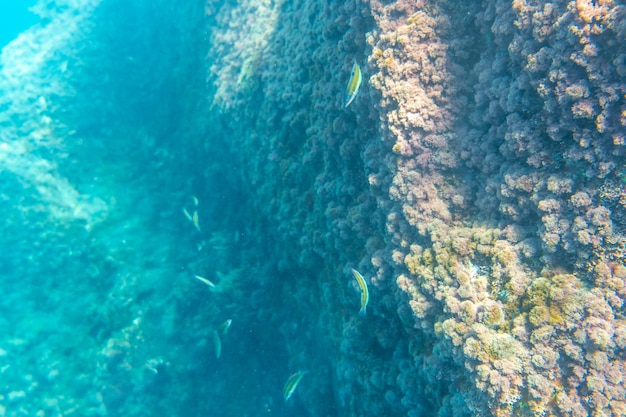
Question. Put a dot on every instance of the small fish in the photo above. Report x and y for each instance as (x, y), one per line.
(195, 220)
(292, 384)
(217, 344)
(153, 365)
(195, 200)
(223, 329)
(152, 369)
(206, 281)
(187, 215)
(353, 84)
(365, 295)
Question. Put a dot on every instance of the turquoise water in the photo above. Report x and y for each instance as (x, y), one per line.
(114, 197)
(14, 19)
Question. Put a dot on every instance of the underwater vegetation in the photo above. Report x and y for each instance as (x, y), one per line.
(243, 208)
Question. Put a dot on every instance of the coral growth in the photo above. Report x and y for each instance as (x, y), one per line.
(505, 255)
(477, 180)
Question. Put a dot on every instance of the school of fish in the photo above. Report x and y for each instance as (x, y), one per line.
(294, 379)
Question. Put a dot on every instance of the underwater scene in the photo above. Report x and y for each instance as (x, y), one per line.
(273, 208)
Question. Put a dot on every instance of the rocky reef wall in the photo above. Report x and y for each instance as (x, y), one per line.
(478, 181)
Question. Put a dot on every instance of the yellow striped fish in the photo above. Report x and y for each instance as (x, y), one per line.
(292, 383)
(365, 295)
(353, 84)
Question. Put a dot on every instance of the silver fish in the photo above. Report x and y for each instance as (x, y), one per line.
(223, 329)
(217, 344)
(206, 281)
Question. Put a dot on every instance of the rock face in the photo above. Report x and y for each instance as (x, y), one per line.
(477, 181)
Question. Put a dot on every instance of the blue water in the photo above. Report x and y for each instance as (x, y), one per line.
(100, 160)
(14, 19)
